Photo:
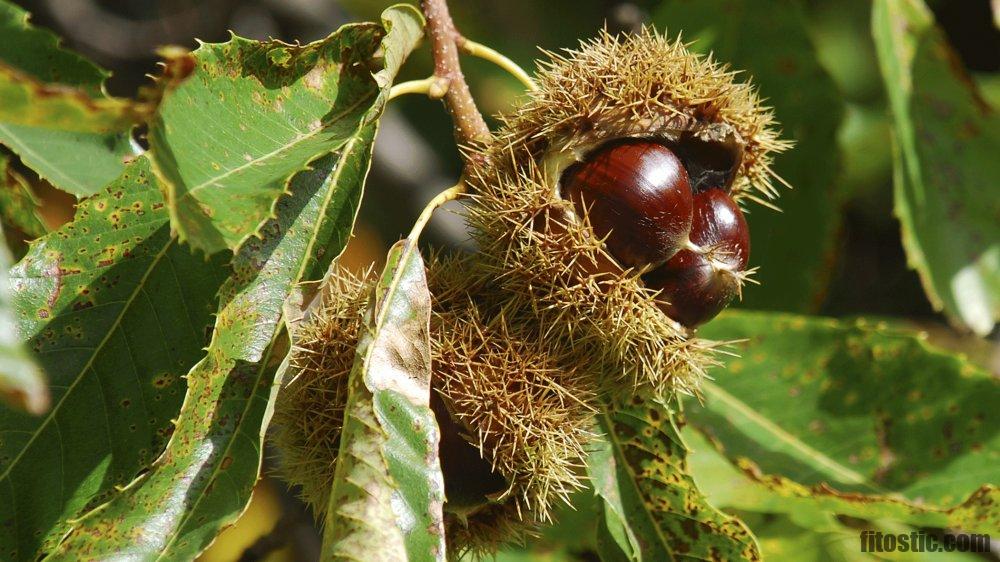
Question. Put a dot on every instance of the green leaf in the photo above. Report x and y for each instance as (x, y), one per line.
(36, 53)
(989, 84)
(803, 528)
(946, 141)
(653, 511)
(227, 139)
(53, 111)
(847, 413)
(206, 475)
(18, 206)
(204, 479)
(840, 31)
(769, 41)
(26, 101)
(865, 139)
(741, 485)
(388, 490)
(115, 311)
(22, 384)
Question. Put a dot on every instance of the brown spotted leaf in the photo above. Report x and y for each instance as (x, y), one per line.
(227, 138)
(846, 413)
(388, 489)
(204, 479)
(115, 311)
(947, 138)
(652, 510)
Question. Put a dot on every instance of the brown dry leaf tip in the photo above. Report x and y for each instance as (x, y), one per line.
(309, 411)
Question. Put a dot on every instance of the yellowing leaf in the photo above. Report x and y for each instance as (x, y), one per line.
(53, 111)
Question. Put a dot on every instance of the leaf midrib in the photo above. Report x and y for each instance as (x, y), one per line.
(298, 139)
(264, 362)
(332, 181)
(844, 473)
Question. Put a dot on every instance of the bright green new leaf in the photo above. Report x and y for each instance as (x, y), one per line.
(388, 490)
(115, 311)
(22, 384)
(769, 43)
(825, 408)
(251, 114)
(53, 111)
(653, 511)
(946, 142)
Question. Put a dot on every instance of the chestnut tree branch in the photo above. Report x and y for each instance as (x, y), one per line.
(470, 127)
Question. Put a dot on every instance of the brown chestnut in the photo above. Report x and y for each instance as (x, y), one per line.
(700, 281)
(637, 197)
(718, 226)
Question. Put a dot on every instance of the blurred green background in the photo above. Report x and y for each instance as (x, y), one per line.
(835, 250)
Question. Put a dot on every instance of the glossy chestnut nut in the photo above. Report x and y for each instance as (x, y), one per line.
(691, 291)
(698, 283)
(718, 224)
(637, 197)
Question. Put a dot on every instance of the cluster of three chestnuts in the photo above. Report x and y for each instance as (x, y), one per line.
(688, 237)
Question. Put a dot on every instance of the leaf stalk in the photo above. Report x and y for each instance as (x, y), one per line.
(450, 194)
(481, 51)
